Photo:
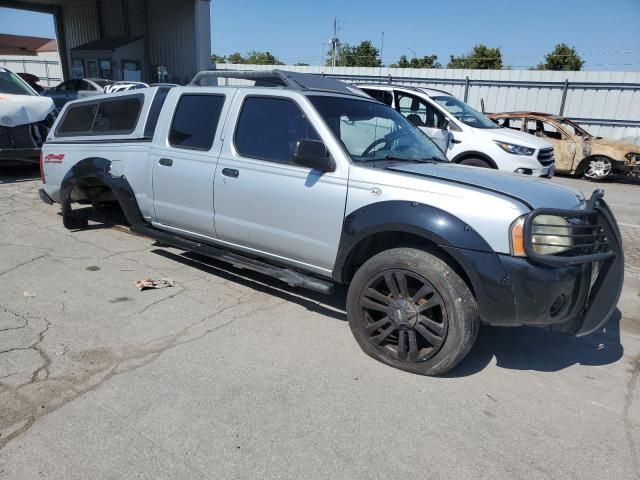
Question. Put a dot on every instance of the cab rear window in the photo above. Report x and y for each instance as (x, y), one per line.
(112, 116)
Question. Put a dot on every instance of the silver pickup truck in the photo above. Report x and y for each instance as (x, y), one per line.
(310, 181)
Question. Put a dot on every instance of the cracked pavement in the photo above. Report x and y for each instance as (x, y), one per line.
(233, 375)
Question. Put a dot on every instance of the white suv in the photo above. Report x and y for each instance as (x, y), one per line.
(466, 135)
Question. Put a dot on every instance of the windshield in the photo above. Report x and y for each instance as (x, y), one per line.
(373, 131)
(13, 84)
(577, 129)
(464, 112)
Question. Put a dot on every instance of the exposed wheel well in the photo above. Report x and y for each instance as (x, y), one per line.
(379, 242)
(481, 156)
(91, 190)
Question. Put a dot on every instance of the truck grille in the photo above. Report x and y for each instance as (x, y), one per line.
(545, 156)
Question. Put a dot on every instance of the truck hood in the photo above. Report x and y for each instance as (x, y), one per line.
(18, 110)
(533, 192)
(519, 138)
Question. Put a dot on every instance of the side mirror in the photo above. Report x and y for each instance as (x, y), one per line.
(313, 154)
(445, 124)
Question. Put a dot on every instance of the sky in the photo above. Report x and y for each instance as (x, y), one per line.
(605, 33)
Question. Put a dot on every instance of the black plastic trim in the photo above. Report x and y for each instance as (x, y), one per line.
(45, 197)
(97, 169)
(430, 223)
(101, 140)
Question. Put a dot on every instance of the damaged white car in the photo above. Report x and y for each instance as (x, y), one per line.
(25, 120)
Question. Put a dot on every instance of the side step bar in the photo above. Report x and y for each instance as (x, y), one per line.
(291, 277)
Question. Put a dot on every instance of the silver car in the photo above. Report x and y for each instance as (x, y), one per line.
(310, 181)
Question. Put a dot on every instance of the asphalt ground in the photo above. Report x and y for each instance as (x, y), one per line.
(233, 375)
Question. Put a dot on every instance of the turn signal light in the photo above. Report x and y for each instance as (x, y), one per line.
(517, 238)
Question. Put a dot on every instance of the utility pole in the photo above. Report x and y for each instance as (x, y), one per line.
(381, 48)
(335, 43)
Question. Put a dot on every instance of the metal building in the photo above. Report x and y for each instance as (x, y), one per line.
(150, 40)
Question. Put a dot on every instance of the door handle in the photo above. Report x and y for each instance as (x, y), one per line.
(167, 162)
(230, 172)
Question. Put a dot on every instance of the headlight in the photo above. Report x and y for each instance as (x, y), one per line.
(550, 235)
(515, 149)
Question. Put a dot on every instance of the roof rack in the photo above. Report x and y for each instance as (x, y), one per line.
(278, 78)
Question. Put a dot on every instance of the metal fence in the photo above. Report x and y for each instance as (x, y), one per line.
(606, 103)
(48, 70)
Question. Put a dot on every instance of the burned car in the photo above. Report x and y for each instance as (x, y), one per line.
(576, 151)
(25, 120)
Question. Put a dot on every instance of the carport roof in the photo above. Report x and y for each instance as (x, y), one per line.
(106, 43)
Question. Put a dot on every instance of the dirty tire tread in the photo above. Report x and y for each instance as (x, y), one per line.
(460, 303)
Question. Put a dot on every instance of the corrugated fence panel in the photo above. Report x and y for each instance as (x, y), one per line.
(112, 17)
(172, 36)
(605, 103)
(48, 71)
(81, 24)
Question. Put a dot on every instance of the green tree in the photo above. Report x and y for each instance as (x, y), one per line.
(562, 57)
(481, 57)
(218, 59)
(362, 55)
(262, 58)
(236, 58)
(301, 64)
(428, 61)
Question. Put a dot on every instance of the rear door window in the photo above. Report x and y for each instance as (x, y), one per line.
(114, 116)
(78, 120)
(117, 116)
(419, 112)
(195, 121)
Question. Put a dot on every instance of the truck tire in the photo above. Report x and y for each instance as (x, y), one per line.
(408, 309)
(475, 162)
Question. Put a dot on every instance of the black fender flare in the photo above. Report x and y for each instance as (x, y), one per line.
(97, 169)
(472, 253)
(474, 153)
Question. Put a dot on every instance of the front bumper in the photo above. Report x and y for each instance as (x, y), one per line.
(579, 291)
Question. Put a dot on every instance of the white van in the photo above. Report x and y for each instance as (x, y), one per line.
(464, 134)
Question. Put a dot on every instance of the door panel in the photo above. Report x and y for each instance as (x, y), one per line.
(184, 169)
(268, 204)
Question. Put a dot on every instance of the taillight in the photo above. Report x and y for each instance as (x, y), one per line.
(41, 168)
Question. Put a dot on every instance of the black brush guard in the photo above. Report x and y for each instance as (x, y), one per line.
(596, 240)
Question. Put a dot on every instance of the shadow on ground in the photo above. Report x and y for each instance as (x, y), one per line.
(17, 174)
(532, 348)
(613, 178)
(523, 348)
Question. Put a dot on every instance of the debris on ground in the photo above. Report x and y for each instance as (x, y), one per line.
(28, 294)
(148, 283)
